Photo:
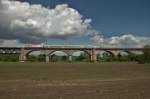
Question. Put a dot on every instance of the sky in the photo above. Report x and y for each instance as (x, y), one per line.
(113, 17)
(106, 23)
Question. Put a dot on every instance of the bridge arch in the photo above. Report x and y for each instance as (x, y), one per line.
(63, 51)
(104, 55)
(27, 52)
(35, 55)
(124, 53)
(110, 53)
(80, 55)
(63, 54)
(105, 52)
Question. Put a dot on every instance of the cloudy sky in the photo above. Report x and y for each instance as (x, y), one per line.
(104, 23)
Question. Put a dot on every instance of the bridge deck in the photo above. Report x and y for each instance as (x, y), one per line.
(70, 48)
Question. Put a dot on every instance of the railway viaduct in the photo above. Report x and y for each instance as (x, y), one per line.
(91, 51)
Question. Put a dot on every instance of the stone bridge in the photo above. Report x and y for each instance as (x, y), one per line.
(91, 51)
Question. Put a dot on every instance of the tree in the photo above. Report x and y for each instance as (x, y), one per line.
(41, 58)
(145, 57)
(9, 57)
(83, 57)
(146, 53)
(64, 58)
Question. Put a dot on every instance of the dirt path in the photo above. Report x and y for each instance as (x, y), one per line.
(80, 89)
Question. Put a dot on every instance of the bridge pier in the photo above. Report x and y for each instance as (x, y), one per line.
(93, 56)
(70, 58)
(70, 55)
(22, 57)
(47, 58)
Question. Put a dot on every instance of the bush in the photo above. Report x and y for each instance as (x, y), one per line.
(145, 57)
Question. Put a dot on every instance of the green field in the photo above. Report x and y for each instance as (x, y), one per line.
(74, 81)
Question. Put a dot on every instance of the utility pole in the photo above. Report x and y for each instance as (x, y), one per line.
(51, 5)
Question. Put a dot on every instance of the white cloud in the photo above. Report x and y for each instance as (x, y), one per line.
(9, 43)
(34, 23)
(21, 21)
(127, 40)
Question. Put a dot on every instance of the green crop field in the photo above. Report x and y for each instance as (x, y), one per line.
(74, 81)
